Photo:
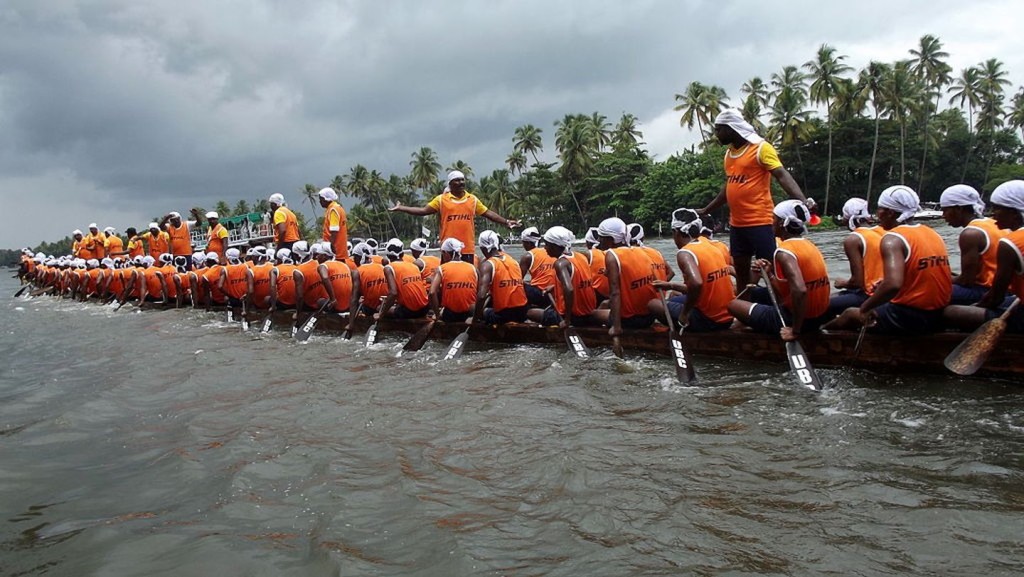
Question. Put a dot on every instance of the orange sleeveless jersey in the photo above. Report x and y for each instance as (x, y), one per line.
(1015, 240)
(335, 216)
(114, 244)
(261, 284)
(658, 261)
(542, 269)
(993, 234)
(598, 271)
(169, 273)
(506, 283)
(99, 241)
(340, 277)
(372, 284)
(159, 244)
(430, 264)
(812, 269)
(584, 300)
(411, 292)
(181, 242)
(636, 273)
(722, 247)
(291, 225)
(377, 259)
(215, 239)
(874, 270)
(312, 285)
(154, 288)
(717, 291)
(286, 284)
(237, 282)
(209, 278)
(406, 257)
(135, 248)
(458, 286)
(748, 187)
(457, 220)
(927, 282)
(92, 276)
(116, 284)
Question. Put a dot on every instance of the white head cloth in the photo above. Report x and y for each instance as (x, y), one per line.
(560, 236)
(155, 225)
(93, 225)
(148, 260)
(276, 198)
(732, 118)
(107, 262)
(853, 209)
(902, 199)
(233, 254)
(530, 234)
(591, 235)
(76, 232)
(687, 221)
(197, 257)
(418, 244)
(1010, 194)
(394, 247)
(212, 256)
(166, 258)
(212, 214)
(109, 230)
(452, 245)
(174, 214)
(300, 247)
(792, 211)
(283, 255)
(615, 228)
(361, 249)
(328, 194)
(636, 233)
(455, 174)
(962, 195)
(489, 240)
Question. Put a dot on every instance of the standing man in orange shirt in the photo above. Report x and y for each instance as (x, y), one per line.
(750, 164)
(335, 224)
(178, 231)
(458, 208)
(286, 225)
(217, 237)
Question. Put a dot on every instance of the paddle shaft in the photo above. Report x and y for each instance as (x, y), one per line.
(798, 361)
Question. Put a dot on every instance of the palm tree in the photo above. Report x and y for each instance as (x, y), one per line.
(826, 70)
(338, 183)
(516, 162)
(700, 105)
(870, 87)
(1016, 116)
(602, 130)
(790, 122)
(990, 116)
(966, 90)
(241, 207)
(577, 148)
(756, 88)
(933, 72)
(462, 167)
(626, 135)
(496, 189)
(309, 192)
(424, 167)
(528, 140)
(902, 99)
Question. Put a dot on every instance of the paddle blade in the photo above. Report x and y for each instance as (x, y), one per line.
(346, 335)
(266, 324)
(21, 290)
(371, 334)
(685, 372)
(416, 342)
(801, 366)
(971, 354)
(302, 335)
(576, 344)
(455, 349)
(231, 315)
(245, 324)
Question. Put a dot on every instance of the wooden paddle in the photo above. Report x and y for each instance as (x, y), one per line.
(970, 355)
(798, 361)
(302, 334)
(267, 323)
(685, 372)
(22, 289)
(371, 333)
(42, 291)
(572, 336)
(417, 341)
(455, 349)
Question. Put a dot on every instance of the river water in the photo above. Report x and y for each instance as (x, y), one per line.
(169, 443)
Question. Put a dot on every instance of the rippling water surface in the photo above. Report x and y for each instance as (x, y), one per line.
(169, 443)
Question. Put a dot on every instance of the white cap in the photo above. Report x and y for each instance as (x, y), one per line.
(153, 225)
(76, 231)
(212, 214)
(452, 245)
(110, 230)
(419, 244)
(531, 234)
(489, 240)
(212, 256)
(232, 254)
(300, 248)
(276, 198)
(328, 194)
(93, 225)
(173, 214)
(455, 174)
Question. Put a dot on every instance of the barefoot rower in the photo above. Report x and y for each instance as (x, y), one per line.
(979, 241)
(453, 287)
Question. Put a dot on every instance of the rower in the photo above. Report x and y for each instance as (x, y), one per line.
(405, 286)
(916, 283)
(152, 289)
(962, 207)
(78, 249)
(573, 289)
(598, 271)
(539, 265)
(209, 279)
(311, 282)
(707, 284)
(158, 241)
(180, 279)
(372, 283)
(335, 232)
(258, 288)
(374, 248)
(630, 280)
(342, 283)
(135, 245)
(502, 280)
(1008, 211)
(798, 274)
(453, 287)
(282, 282)
(864, 255)
(286, 224)
(167, 271)
(427, 263)
(234, 278)
(457, 208)
(636, 240)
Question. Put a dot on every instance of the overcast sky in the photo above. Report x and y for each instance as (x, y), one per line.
(116, 111)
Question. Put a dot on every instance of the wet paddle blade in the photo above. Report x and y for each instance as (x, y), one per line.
(266, 324)
(458, 345)
(231, 315)
(302, 335)
(801, 366)
(21, 290)
(416, 342)
(371, 334)
(576, 344)
(245, 323)
(971, 354)
(685, 372)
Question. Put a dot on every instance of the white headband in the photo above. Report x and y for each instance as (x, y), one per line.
(614, 228)
(902, 199)
(962, 195)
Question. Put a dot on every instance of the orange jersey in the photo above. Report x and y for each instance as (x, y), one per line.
(722, 247)
(658, 261)
(286, 284)
(181, 242)
(154, 288)
(1015, 240)
(312, 285)
(430, 264)
(542, 269)
(261, 284)
(457, 216)
(506, 283)
(993, 234)
(135, 247)
(927, 282)
(116, 284)
(717, 292)
(114, 244)
(91, 280)
(340, 277)
(406, 257)
(335, 221)
(237, 282)
(636, 273)
(812, 269)
(96, 243)
(411, 292)
(283, 214)
(169, 273)
(874, 270)
(216, 239)
(210, 277)
(372, 284)
(598, 271)
(584, 301)
(458, 286)
(159, 244)
(748, 180)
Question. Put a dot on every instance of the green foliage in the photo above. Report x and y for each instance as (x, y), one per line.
(1000, 173)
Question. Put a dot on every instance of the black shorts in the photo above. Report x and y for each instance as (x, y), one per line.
(551, 318)
(758, 241)
(510, 315)
(401, 312)
(698, 322)
(894, 319)
(764, 319)
(453, 317)
(635, 322)
(536, 296)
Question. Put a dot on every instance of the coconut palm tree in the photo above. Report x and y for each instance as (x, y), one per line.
(930, 69)
(626, 135)
(826, 70)
(756, 88)
(337, 183)
(602, 130)
(1016, 116)
(577, 149)
(870, 84)
(309, 193)
(241, 207)
(700, 105)
(222, 209)
(424, 167)
(966, 89)
(902, 97)
(496, 189)
(789, 122)
(516, 162)
(992, 85)
(528, 140)
(462, 167)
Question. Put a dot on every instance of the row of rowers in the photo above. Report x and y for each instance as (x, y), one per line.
(900, 280)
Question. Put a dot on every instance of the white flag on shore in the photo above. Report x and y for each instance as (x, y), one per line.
(425, 231)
